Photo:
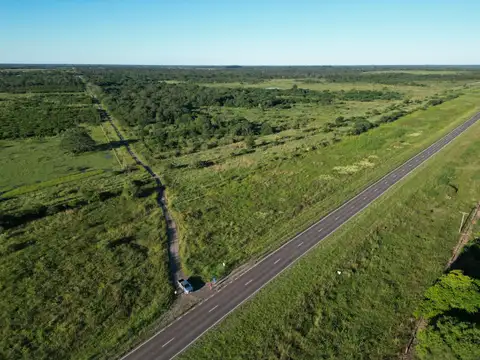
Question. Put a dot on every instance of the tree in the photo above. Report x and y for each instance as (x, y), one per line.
(77, 140)
(450, 338)
(250, 141)
(453, 291)
(266, 129)
(130, 190)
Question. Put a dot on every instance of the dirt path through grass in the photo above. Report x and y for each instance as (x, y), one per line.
(173, 247)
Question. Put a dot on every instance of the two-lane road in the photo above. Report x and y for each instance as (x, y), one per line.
(176, 337)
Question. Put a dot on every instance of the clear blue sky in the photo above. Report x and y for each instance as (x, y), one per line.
(243, 32)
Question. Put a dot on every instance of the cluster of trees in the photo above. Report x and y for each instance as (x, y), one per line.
(452, 308)
(440, 100)
(19, 81)
(139, 102)
(360, 124)
(357, 124)
(393, 116)
(77, 140)
(202, 129)
(34, 117)
(175, 115)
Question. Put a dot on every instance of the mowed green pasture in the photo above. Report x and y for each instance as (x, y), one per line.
(387, 256)
(242, 206)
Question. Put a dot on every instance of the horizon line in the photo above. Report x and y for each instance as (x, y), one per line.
(232, 65)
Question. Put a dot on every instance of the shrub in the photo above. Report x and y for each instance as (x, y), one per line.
(266, 129)
(77, 141)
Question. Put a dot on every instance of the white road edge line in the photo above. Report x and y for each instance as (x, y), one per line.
(292, 239)
(168, 342)
(213, 308)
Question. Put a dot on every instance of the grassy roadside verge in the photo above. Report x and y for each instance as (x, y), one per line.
(387, 257)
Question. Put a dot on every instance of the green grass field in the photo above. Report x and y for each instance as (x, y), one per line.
(25, 162)
(80, 276)
(244, 206)
(388, 256)
(83, 246)
(34, 160)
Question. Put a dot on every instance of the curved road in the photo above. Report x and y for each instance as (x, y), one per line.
(177, 336)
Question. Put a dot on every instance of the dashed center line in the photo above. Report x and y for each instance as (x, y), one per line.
(248, 282)
(336, 218)
(168, 342)
(300, 244)
(276, 261)
(320, 230)
(213, 308)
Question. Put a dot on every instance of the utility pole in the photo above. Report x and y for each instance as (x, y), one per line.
(461, 224)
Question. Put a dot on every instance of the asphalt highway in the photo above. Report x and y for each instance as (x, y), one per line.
(176, 337)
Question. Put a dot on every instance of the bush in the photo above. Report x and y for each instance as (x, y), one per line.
(435, 102)
(130, 190)
(266, 129)
(392, 117)
(202, 164)
(250, 142)
(77, 140)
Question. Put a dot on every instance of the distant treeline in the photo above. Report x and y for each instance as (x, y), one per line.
(39, 81)
(361, 74)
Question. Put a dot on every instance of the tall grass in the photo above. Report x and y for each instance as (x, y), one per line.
(38, 186)
(77, 282)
